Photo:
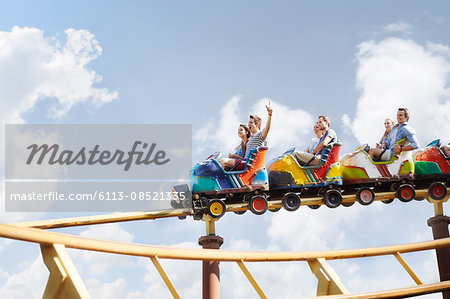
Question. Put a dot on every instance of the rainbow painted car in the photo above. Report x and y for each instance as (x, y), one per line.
(433, 170)
(363, 175)
(212, 186)
(289, 180)
(354, 175)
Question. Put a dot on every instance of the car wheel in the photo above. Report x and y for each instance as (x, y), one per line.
(332, 198)
(291, 201)
(437, 191)
(365, 196)
(258, 204)
(406, 193)
(216, 208)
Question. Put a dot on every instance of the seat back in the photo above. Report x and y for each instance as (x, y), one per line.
(330, 155)
(257, 157)
(255, 161)
(330, 152)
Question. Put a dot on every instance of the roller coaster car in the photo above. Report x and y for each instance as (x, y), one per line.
(209, 178)
(358, 168)
(287, 175)
(211, 183)
(432, 170)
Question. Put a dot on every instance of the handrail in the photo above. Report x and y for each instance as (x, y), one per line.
(108, 218)
(395, 293)
(77, 242)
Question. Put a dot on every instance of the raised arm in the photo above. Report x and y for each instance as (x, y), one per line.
(266, 129)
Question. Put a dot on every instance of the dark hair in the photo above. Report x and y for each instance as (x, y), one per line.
(247, 130)
(257, 120)
(406, 112)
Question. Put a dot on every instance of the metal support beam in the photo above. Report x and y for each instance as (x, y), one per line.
(329, 282)
(438, 208)
(408, 268)
(64, 280)
(210, 225)
(251, 279)
(165, 277)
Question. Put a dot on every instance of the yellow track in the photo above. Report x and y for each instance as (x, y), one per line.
(151, 215)
(46, 237)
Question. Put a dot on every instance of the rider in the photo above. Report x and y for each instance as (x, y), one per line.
(258, 137)
(329, 135)
(400, 130)
(238, 155)
(388, 124)
(315, 141)
(446, 150)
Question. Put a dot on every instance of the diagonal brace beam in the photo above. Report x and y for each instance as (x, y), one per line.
(329, 282)
(165, 277)
(408, 268)
(64, 280)
(251, 279)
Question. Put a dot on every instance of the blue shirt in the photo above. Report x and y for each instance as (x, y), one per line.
(240, 152)
(403, 131)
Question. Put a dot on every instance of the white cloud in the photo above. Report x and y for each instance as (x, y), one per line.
(398, 27)
(110, 231)
(310, 226)
(397, 73)
(438, 20)
(113, 290)
(185, 276)
(35, 67)
(30, 283)
(290, 127)
(221, 131)
(4, 243)
(98, 263)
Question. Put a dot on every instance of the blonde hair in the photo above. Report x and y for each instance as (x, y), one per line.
(389, 119)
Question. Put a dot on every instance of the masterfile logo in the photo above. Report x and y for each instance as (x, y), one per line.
(91, 157)
(95, 167)
(157, 152)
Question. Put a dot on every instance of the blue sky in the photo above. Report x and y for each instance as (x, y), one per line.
(210, 64)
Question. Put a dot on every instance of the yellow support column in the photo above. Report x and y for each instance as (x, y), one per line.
(329, 282)
(64, 280)
(438, 209)
(210, 225)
